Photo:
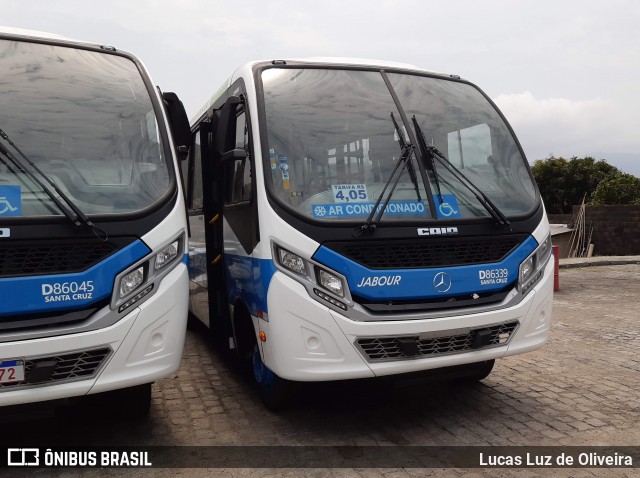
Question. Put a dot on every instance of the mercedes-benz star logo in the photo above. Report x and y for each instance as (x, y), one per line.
(442, 282)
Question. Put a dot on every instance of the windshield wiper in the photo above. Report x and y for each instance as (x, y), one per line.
(16, 163)
(68, 208)
(432, 153)
(410, 168)
(431, 163)
(406, 151)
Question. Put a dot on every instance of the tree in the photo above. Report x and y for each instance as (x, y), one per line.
(551, 176)
(564, 183)
(619, 189)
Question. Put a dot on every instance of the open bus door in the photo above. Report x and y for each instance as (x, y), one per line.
(227, 193)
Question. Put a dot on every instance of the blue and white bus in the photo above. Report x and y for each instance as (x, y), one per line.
(354, 219)
(93, 275)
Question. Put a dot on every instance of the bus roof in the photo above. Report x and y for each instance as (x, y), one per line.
(343, 61)
(353, 61)
(31, 33)
(333, 61)
(21, 33)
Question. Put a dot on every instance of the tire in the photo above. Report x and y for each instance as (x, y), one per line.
(131, 403)
(137, 401)
(478, 371)
(275, 392)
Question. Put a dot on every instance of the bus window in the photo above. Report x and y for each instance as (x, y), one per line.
(240, 170)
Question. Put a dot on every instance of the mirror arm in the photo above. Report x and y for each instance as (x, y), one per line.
(234, 155)
(183, 152)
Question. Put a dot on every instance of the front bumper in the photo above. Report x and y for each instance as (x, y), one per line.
(306, 341)
(146, 345)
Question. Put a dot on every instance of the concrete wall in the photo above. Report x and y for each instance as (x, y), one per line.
(560, 218)
(562, 241)
(616, 229)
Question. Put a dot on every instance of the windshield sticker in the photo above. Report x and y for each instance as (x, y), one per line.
(394, 208)
(350, 193)
(272, 158)
(284, 169)
(10, 201)
(448, 207)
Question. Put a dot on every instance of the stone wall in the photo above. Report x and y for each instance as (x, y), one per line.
(616, 229)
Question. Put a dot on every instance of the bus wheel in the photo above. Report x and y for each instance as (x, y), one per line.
(479, 371)
(131, 403)
(276, 393)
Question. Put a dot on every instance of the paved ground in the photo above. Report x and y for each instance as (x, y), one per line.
(581, 389)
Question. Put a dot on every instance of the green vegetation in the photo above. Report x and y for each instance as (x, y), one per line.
(619, 189)
(564, 183)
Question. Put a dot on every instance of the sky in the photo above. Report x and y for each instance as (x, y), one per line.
(566, 74)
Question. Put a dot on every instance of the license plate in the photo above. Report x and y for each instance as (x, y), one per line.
(11, 371)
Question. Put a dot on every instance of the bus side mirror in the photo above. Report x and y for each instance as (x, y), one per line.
(234, 155)
(179, 123)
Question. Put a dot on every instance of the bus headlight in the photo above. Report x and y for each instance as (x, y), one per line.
(135, 284)
(292, 261)
(131, 281)
(166, 255)
(526, 268)
(330, 282)
(324, 285)
(532, 267)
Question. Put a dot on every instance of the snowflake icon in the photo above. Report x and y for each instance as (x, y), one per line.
(319, 211)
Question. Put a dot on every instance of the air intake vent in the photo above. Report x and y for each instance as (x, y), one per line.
(381, 349)
(28, 258)
(427, 253)
(66, 367)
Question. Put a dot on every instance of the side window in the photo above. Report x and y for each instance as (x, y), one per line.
(184, 170)
(196, 171)
(240, 171)
(242, 134)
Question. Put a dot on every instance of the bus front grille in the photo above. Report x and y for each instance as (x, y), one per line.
(51, 257)
(388, 348)
(428, 252)
(60, 368)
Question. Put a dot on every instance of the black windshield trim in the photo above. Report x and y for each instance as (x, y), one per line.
(279, 206)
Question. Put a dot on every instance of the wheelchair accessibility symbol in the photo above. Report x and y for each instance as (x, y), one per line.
(447, 211)
(10, 201)
(5, 206)
(448, 207)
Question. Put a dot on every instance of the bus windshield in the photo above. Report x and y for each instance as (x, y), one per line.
(86, 120)
(332, 146)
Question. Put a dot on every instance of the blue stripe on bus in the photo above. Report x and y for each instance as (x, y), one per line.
(248, 278)
(409, 284)
(66, 292)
